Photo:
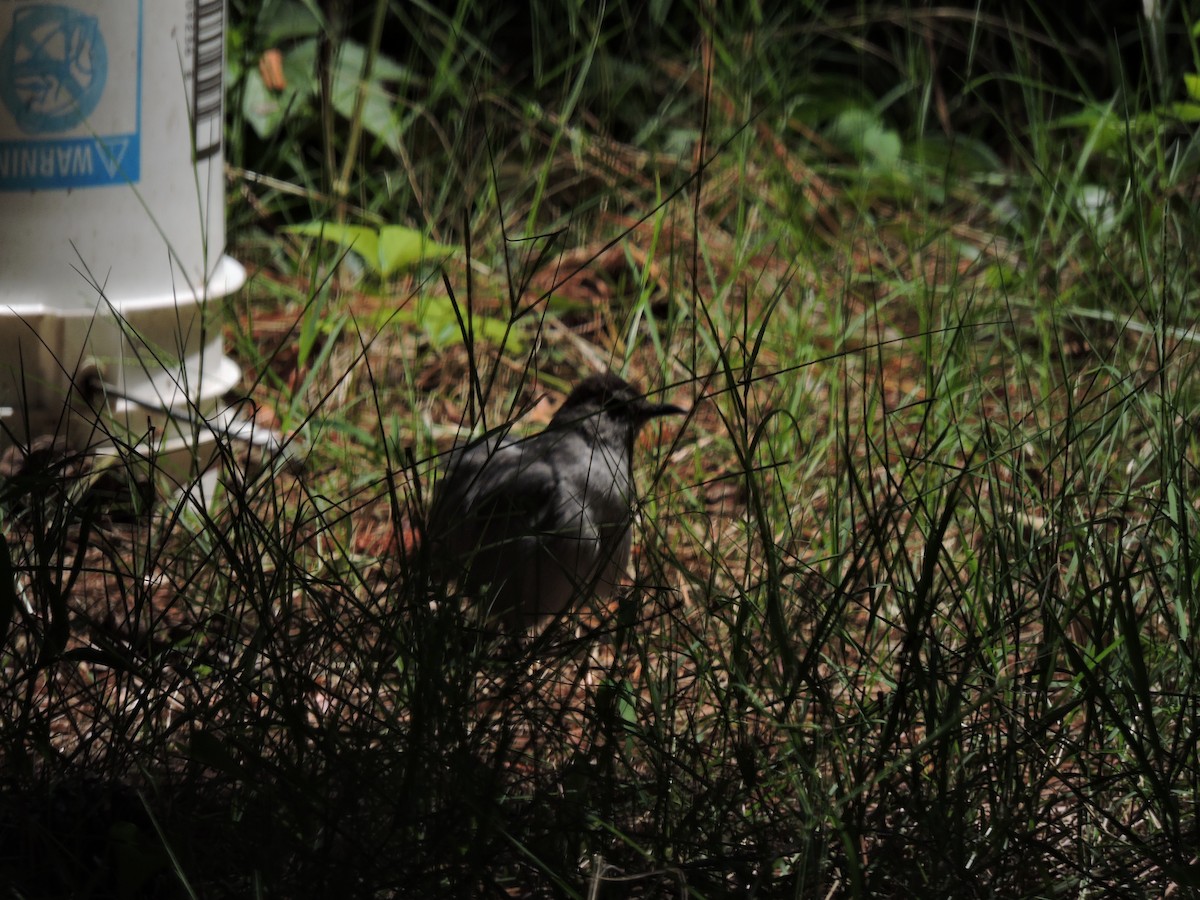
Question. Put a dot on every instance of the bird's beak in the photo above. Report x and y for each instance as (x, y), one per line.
(654, 410)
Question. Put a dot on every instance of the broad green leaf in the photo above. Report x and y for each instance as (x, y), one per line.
(437, 318)
(288, 21)
(403, 248)
(392, 249)
(379, 117)
(260, 107)
(962, 156)
(862, 132)
(362, 240)
(265, 110)
(1107, 130)
(882, 147)
(1191, 81)
(1186, 112)
(350, 62)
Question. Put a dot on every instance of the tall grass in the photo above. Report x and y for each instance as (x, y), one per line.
(913, 607)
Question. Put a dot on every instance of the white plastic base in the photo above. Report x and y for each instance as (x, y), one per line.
(132, 372)
(112, 190)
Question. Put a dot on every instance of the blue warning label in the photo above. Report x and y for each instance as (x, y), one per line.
(69, 162)
(70, 88)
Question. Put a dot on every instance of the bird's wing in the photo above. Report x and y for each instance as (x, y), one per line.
(516, 493)
(500, 489)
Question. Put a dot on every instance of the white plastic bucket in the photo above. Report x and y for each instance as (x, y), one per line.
(112, 215)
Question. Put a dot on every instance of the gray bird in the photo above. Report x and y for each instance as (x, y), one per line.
(528, 526)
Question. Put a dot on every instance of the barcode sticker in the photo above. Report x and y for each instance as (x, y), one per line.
(208, 62)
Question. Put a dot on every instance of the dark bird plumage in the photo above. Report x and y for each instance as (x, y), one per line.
(531, 525)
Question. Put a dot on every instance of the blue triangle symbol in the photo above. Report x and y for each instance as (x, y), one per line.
(111, 152)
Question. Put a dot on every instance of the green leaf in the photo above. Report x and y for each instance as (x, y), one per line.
(1191, 81)
(265, 110)
(437, 318)
(882, 147)
(362, 240)
(391, 249)
(862, 133)
(259, 108)
(379, 116)
(1106, 129)
(288, 21)
(1186, 112)
(403, 248)
(961, 156)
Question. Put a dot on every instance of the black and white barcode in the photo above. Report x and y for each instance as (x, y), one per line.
(208, 41)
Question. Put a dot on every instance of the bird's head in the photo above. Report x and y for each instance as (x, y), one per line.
(612, 398)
